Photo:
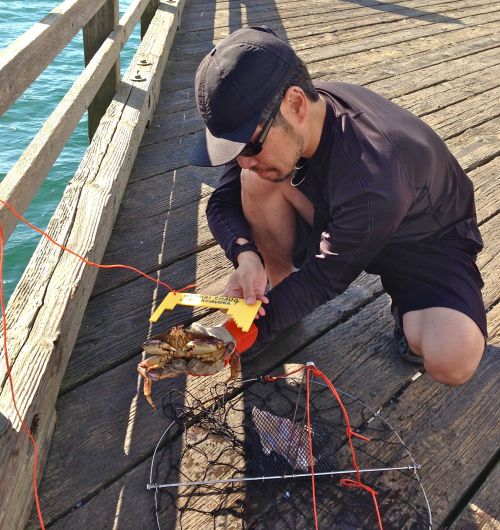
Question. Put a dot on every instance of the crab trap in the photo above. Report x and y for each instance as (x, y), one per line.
(283, 452)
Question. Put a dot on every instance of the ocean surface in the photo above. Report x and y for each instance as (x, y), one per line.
(22, 121)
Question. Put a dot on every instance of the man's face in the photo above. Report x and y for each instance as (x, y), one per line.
(280, 153)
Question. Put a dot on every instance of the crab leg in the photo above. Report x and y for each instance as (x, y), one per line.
(147, 392)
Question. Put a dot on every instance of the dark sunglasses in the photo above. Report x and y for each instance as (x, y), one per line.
(255, 147)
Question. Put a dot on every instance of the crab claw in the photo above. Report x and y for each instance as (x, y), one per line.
(158, 346)
(147, 392)
(235, 364)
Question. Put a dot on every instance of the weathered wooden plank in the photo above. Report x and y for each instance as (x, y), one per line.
(482, 511)
(179, 75)
(162, 157)
(400, 84)
(22, 182)
(319, 33)
(477, 145)
(385, 62)
(329, 44)
(23, 61)
(177, 124)
(300, 30)
(454, 90)
(369, 66)
(485, 181)
(148, 15)
(48, 326)
(282, 18)
(160, 241)
(454, 119)
(179, 187)
(95, 32)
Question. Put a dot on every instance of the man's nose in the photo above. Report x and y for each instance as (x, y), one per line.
(246, 162)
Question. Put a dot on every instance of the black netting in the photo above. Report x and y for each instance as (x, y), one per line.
(262, 432)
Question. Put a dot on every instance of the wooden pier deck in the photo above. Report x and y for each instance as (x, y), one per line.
(438, 58)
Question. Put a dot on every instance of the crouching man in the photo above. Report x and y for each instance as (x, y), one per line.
(325, 180)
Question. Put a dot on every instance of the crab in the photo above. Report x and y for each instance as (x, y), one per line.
(183, 351)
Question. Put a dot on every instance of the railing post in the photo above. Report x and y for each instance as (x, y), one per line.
(95, 33)
(148, 15)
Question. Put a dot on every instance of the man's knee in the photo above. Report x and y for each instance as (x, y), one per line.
(452, 366)
(451, 352)
(451, 360)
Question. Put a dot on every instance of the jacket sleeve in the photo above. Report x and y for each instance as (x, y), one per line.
(224, 210)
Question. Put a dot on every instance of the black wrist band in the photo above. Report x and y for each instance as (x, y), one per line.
(236, 250)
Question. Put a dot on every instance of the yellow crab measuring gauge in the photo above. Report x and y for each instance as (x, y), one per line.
(242, 313)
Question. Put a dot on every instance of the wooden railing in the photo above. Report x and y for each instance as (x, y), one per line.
(45, 311)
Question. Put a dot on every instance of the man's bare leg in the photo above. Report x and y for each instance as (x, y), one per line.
(270, 209)
(450, 342)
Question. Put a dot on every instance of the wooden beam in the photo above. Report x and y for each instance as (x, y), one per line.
(23, 61)
(95, 32)
(148, 15)
(56, 284)
(482, 510)
(23, 180)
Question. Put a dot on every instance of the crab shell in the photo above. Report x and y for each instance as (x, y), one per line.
(179, 343)
(182, 351)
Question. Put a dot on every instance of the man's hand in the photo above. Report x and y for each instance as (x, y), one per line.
(248, 281)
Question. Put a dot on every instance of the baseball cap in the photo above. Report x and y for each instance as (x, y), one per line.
(234, 83)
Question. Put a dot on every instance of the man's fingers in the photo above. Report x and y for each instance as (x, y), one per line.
(248, 291)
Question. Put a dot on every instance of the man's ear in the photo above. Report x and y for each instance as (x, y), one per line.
(295, 105)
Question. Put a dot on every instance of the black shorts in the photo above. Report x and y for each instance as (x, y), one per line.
(439, 271)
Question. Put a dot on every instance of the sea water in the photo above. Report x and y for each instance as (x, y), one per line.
(21, 122)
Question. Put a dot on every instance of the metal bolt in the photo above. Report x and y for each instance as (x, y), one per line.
(138, 77)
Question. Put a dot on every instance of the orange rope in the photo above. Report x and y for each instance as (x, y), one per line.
(350, 483)
(93, 263)
(358, 483)
(4, 326)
